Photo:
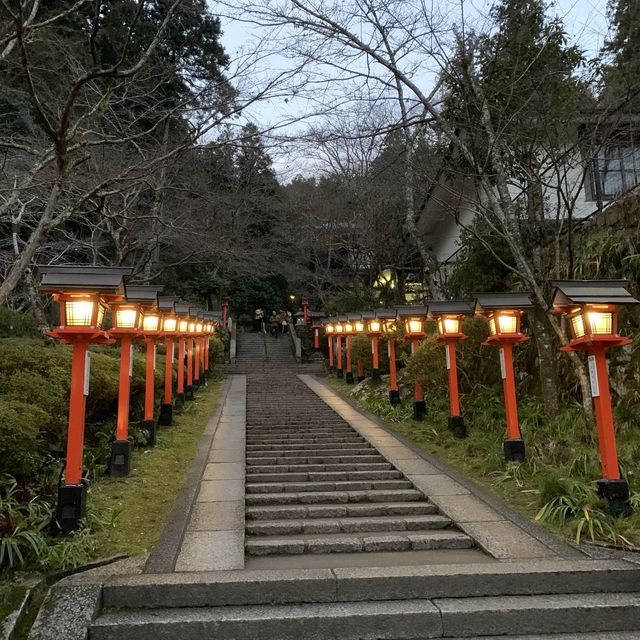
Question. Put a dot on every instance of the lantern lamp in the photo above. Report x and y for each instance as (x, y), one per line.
(591, 307)
(449, 315)
(387, 319)
(414, 319)
(503, 312)
(83, 294)
(339, 325)
(169, 326)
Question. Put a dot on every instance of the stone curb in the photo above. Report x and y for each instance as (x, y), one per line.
(165, 552)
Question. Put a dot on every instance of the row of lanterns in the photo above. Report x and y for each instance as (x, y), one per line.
(591, 310)
(138, 313)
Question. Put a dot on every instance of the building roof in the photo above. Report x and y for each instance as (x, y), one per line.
(568, 292)
(438, 307)
(142, 293)
(509, 300)
(67, 277)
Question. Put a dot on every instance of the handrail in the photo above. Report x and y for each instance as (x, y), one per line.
(296, 343)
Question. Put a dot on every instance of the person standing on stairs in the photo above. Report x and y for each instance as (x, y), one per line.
(274, 324)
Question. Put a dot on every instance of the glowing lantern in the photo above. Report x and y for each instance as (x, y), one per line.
(414, 322)
(387, 319)
(83, 294)
(449, 315)
(503, 312)
(591, 307)
(169, 326)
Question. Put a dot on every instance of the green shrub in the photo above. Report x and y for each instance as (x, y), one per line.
(20, 425)
(15, 324)
(216, 355)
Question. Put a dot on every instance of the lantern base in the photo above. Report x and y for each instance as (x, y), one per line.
(375, 375)
(120, 463)
(165, 418)
(196, 384)
(340, 373)
(394, 397)
(188, 392)
(361, 378)
(71, 507)
(150, 427)
(616, 493)
(349, 378)
(457, 426)
(181, 398)
(514, 450)
(419, 410)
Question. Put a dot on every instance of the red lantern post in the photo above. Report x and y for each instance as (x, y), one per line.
(182, 313)
(503, 312)
(339, 328)
(591, 307)
(449, 315)
(329, 330)
(349, 331)
(374, 331)
(388, 319)
(414, 331)
(305, 309)
(83, 294)
(225, 311)
(360, 328)
(169, 329)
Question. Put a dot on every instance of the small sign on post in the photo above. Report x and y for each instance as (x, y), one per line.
(87, 372)
(503, 367)
(593, 376)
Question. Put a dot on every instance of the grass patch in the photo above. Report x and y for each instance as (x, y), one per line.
(556, 485)
(134, 509)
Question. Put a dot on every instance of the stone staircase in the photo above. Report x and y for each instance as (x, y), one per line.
(315, 486)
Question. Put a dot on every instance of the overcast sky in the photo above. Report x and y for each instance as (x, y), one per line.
(585, 22)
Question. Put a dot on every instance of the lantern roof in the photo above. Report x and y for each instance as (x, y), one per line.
(326, 320)
(142, 294)
(182, 308)
(316, 314)
(497, 301)
(440, 307)
(193, 312)
(411, 312)
(368, 315)
(354, 317)
(386, 314)
(342, 318)
(216, 315)
(167, 303)
(68, 277)
(568, 292)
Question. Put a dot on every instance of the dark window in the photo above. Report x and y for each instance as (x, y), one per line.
(614, 170)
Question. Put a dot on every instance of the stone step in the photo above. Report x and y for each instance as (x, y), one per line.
(315, 459)
(334, 497)
(305, 487)
(322, 476)
(358, 542)
(290, 586)
(310, 451)
(357, 621)
(297, 438)
(308, 446)
(574, 613)
(346, 525)
(351, 510)
(318, 468)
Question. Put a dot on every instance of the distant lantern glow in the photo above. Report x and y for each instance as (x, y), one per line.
(375, 326)
(507, 324)
(448, 326)
(339, 327)
(348, 327)
(414, 326)
(126, 318)
(79, 313)
(192, 327)
(169, 324)
(329, 328)
(184, 325)
(199, 328)
(151, 322)
(359, 326)
(577, 323)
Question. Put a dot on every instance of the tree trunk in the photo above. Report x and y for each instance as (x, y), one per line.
(547, 361)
